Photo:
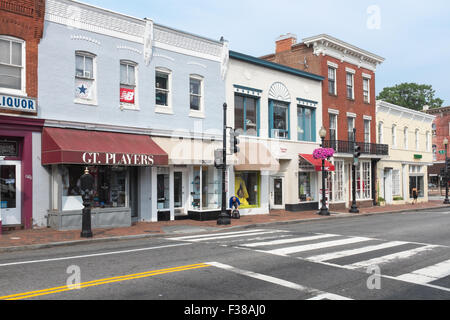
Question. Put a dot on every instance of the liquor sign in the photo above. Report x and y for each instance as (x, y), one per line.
(9, 149)
(127, 95)
(18, 103)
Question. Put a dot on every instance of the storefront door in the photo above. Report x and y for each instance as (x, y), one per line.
(180, 187)
(277, 193)
(10, 192)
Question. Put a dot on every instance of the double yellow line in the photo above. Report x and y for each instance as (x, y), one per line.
(32, 294)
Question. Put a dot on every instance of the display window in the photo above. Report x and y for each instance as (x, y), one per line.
(306, 186)
(247, 187)
(110, 186)
(206, 188)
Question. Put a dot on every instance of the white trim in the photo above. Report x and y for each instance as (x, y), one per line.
(333, 111)
(349, 70)
(23, 85)
(201, 112)
(367, 118)
(169, 108)
(367, 76)
(383, 106)
(333, 65)
(351, 115)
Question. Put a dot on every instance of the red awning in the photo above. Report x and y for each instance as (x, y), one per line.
(317, 163)
(68, 146)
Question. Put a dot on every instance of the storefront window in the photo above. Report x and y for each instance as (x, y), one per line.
(247, 189)
(110, 185)
(206, 188)
(307, 188)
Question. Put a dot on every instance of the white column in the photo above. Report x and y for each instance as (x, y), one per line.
(172, 193)
(154, 195)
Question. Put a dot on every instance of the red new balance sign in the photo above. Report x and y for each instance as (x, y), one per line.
(127, 95)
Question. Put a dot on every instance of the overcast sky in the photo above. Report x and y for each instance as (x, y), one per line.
(412, 35)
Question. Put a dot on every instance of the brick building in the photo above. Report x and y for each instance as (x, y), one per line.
(348, 96)
(441, 130)
(21, 28)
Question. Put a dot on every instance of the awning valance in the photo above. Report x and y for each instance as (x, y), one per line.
(69, 146)
(254, 156)
(317, 163)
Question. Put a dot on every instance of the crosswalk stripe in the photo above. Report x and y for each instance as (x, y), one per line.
(286, 241)
(329, 296)
(220, 237)
(277, 281)
(390, 257)
(320, 245)
(347, 253)
(219, 234)
(428, 274)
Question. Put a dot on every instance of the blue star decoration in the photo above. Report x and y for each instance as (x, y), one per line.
(82, 89)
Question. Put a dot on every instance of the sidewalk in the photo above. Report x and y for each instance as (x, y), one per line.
(38, 238)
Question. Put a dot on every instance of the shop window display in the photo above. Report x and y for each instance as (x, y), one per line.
(110, 185)
(247, 189)
(306, 187)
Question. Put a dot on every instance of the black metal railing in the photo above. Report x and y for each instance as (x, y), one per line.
(366, 148)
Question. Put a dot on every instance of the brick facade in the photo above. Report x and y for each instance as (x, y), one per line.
(442, 131)
(24, 19)
(296, 55)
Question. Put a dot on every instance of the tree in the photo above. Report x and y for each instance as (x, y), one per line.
(411, 95)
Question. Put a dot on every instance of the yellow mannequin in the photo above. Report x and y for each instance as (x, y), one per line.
(240, 189)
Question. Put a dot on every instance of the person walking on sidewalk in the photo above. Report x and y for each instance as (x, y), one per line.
(415, 196)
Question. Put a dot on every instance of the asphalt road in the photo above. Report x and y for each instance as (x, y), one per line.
(381, 257)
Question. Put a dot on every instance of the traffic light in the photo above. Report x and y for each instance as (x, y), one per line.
(234, 137)
(357, 151)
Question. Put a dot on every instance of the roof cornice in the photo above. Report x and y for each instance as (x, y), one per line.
(344, 47)
(274, 66)
(403, 110)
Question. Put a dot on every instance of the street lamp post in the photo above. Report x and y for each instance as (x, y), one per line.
(224, 219)
(324, 210)
(447, 201)
(86, 184)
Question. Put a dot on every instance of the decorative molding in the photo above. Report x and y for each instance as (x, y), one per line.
(351, 115)
(279, 92)
(129, 49)
(333, 111)
(197, 64)
(16, 8)
(367, 118)
(225, 60)
(349, 70)
(366, 76)
(247, 91)
(307, 103)
(163, 56)
(84, 38)
(333, 65)
(90, 18)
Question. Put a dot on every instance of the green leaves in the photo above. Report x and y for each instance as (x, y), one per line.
(411, 95)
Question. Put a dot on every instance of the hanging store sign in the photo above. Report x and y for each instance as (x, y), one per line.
(9, 149)
(18, 103)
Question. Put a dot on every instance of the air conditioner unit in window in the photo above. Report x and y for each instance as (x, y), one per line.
(87, 74)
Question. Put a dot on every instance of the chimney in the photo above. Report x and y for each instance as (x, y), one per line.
(285, 42)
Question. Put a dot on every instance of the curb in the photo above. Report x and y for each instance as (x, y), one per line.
(335, 215)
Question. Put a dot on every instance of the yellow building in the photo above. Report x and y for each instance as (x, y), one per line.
(409, 136)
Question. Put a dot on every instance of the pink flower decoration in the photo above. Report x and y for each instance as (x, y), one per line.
(323, 153)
